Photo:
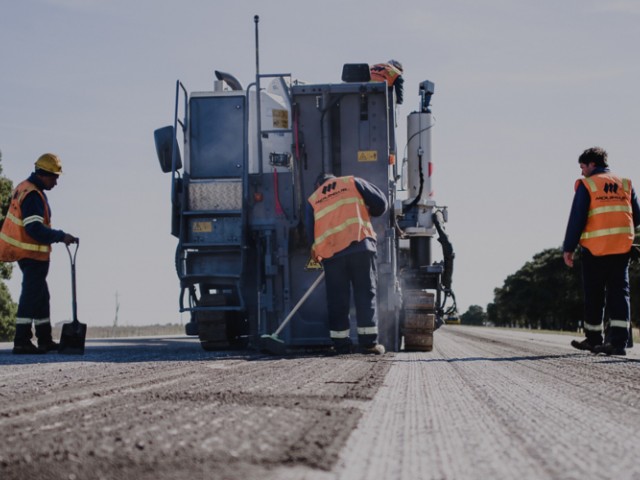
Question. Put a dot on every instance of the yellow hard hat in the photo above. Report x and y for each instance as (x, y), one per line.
(49, 163)
(396, 64)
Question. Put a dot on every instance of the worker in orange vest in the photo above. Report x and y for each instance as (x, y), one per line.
(339, 227)
(391, 74)
(26, 237)
(603, 218)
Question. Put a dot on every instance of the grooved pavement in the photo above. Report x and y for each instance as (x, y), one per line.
(498, 404)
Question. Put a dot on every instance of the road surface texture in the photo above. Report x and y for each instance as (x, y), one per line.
(484, 404)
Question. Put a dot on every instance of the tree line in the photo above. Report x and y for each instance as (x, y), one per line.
(544, 294)
(8, 307)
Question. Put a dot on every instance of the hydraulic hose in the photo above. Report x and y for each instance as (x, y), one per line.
(447, 250)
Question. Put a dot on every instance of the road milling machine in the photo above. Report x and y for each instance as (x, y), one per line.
(242, 168)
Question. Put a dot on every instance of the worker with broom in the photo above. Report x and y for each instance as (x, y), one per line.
(26, 237)
(343, 239)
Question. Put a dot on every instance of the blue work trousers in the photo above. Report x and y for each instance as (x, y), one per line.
(34, 297)
(605, 282)
(357, 270)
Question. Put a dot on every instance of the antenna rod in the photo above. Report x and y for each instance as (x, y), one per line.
(256, 19)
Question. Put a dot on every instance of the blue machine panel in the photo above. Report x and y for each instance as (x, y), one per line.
(215, 230)
(216, 136)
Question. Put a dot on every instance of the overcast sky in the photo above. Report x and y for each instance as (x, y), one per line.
(521, 89)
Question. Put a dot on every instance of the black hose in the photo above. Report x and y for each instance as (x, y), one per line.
(447, 250)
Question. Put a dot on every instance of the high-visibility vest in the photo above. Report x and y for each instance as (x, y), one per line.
(15, 243)
(384, 72)
(340, 217)
(609, 229)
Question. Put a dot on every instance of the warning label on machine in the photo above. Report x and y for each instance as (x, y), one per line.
(368, 156)
(280, 119)
(199, 227)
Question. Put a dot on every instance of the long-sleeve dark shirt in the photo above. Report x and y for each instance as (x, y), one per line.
(580, 212)
(374, 199)
(32, 205)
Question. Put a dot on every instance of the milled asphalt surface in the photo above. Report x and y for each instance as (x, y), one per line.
(485, 403)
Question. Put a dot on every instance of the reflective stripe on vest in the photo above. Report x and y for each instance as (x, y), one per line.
(609, 229)
(15, 243)
(340, 216)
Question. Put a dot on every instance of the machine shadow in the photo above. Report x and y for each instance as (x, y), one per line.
(131, 350)
(518, 358)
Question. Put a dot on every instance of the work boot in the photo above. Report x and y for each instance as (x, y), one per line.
(375, 349)
(49, 346)
(342, 349)
(583, 345)
(45, 340)
(27, 348)
(342, 346)
(609, 349)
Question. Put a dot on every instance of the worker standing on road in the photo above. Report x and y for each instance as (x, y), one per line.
(603, 216)
(339, 227)
(391, 73)
(26, 237)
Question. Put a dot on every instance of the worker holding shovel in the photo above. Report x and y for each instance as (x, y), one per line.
(26, 237)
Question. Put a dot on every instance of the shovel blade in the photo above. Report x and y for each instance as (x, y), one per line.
(72, 338)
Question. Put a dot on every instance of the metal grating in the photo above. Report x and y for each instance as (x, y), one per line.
(216, 195)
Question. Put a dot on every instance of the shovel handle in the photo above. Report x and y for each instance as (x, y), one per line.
(299, 304)
(72, 259)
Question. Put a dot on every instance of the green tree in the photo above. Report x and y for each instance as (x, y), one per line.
(7, 305)
(473, 316)
(544, 293)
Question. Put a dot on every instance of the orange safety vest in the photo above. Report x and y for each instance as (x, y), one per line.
(609, 229)
(15, 243)
(383, 72)
(340, 217)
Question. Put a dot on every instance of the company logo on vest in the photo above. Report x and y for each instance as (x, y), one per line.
(611, 188)
(328, 188)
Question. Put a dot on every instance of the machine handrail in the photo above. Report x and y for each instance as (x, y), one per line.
(174, 148)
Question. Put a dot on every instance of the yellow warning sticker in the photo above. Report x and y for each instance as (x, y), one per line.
(280, 118)
(368, 156)
(313, 265)
(202, 227)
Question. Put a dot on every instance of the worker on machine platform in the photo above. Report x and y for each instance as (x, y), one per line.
(391, 73)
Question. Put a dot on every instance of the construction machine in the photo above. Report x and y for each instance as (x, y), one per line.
(243, 162)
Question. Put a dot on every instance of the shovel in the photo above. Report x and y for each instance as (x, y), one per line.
(274, 345)
(74, 333)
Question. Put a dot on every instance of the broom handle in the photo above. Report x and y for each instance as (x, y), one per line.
(72, 259)
(299, 304)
